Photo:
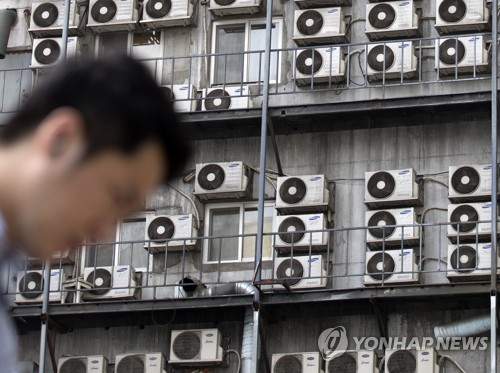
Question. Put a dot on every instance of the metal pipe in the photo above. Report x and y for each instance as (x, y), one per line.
(464, 328)
(44, 316)
(247, 342)
(494, 186)
(64, 41)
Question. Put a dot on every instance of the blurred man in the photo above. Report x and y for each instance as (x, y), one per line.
(83, 152)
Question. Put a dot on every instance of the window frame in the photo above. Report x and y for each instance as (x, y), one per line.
(130, 43)
(241, 206)
(248, 25)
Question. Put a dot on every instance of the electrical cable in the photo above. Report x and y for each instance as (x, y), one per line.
(432, 209)
(153, 315)
(448, 357)
(237, 355)
(195, 209)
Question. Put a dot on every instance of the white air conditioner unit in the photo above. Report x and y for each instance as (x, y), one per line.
(319, 26)
(304, 362)
(301, 272)
(83, 364)
(391, 20)
(392, 227)
(470, 262)
(143, 363)
(462, 55)
(116, 282)
(391, 61)
(319, 66)
(228, 180)
(30, 286)
(390, 267)
(457, 16)
(469, 183)
(464, 218)
(417, 361)
(297, 232)
(112, 15)
(196, 347)
(47, 52)
(233, 7)
(167, 13)
(392, 188)
(362, 361)
(306, 193)
(47, 18)
(227, 98)
(183, 96)
(172, 232)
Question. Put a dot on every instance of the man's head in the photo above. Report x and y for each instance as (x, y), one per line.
(84, 151)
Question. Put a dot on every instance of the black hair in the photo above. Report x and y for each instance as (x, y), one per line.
(121, 105)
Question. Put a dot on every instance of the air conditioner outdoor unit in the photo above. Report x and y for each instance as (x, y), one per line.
(392, 227)
(196, 347)
(167, 13)
(470, 262)
(303, 362)
(392, 188)
(362, 361)
(47, 18)
(30, 286)
(140, 363)
(228, 180)
(301, 272)
(172, 232)
(300, 232)
(306, 193)
(112, 15)
(469, 183)
(116, 282)
(227, 98)
(417, 361)
(221, 8)
(47, 52)
(464, 218)
(83, 364)
(319, 26)
(391, 267)
(464, 15)
(391, 61)
(462, 55)
(392, 20)
(319, 66)
(183, 96)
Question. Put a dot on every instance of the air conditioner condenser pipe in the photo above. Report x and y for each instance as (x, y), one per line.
(464, 328)
(7, 19)
(241, 288)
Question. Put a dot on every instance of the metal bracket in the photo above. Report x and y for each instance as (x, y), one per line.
(275, 145)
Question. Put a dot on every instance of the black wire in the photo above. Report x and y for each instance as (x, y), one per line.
(153, 314)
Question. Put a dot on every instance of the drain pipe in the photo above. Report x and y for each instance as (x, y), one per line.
(464, 328)
(248, 363)
(7, 19)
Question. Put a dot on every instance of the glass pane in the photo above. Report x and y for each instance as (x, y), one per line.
(133, 253)
(224, 222)
(146, 45)
(113, 43)
(258, 43)
(229, 68)
(250, 227)
(100, 252)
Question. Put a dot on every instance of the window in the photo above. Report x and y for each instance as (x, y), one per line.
(231, 40)
(141, 45)
(100, 253)
(131, 232)
(233, 220)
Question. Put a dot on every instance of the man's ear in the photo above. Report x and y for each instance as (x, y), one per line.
(60, 136)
